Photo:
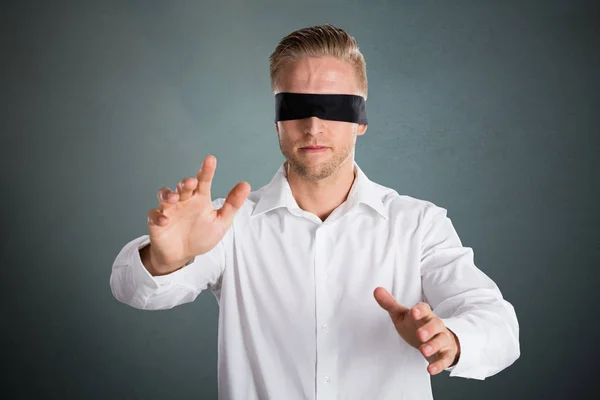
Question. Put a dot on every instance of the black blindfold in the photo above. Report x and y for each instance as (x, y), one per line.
(334, 107)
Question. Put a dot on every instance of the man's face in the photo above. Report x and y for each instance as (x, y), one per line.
(325, 75)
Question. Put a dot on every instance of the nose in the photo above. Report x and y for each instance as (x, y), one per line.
(313, 126)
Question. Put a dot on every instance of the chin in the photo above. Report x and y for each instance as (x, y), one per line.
(313, 171)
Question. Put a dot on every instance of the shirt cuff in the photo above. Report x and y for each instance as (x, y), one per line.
(148, 284)
(471, 346)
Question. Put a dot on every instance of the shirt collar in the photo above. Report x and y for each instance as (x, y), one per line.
(278, 193)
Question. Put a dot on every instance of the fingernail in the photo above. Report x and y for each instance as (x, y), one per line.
(434, 369)
(417, 313)
(427, 349)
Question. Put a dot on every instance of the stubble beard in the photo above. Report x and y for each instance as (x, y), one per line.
(322, 170)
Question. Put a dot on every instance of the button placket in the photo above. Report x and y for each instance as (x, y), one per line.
(323, 304)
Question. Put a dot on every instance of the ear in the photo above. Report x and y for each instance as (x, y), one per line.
(277, 127)
(362, 128)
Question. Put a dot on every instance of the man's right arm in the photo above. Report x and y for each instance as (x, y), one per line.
(186, 222)
(134, 284)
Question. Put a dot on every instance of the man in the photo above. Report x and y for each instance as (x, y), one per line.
(329, 285)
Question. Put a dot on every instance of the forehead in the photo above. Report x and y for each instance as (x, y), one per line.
(318, 75)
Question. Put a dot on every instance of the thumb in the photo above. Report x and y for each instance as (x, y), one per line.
(234, 200)
(388, 302)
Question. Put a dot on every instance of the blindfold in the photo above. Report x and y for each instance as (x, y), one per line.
(334, 107)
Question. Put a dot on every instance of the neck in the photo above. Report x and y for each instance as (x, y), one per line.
(323, 196)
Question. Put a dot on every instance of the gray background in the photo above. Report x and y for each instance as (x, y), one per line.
(489, 109)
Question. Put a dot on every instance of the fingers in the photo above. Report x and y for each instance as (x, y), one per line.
(430, 329)
(234, 201)
(163, 194)
(156, 217)
(388, 302)
(205, 176)
(166, 198)
(444, 360)
(439, 342)
(186, 188)
(439, 351)
(421, 312)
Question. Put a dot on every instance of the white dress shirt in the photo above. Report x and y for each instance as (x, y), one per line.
(298, 319)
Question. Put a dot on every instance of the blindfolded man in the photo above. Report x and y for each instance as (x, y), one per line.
(330, 286)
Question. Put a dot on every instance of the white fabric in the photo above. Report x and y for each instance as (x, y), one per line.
(298, 319)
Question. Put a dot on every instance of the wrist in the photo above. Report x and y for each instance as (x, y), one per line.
(457, 344)
(156, 270)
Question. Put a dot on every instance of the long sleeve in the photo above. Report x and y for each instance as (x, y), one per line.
(468, 301)
(132, 284)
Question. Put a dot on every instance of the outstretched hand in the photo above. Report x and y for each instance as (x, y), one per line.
(423, 330)
(185, 224)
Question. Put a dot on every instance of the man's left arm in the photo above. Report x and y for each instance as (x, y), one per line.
(467, 301)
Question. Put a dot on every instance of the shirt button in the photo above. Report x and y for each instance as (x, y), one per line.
(326, 378)
(325, 328)
(323, 276)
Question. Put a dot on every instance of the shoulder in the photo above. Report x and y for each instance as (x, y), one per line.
(405, 205)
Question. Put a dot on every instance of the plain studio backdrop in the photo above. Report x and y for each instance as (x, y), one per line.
(487, 108)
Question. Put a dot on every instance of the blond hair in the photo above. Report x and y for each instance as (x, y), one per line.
(319, 41)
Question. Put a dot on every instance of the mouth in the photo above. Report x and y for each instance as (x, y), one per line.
(314, 149)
